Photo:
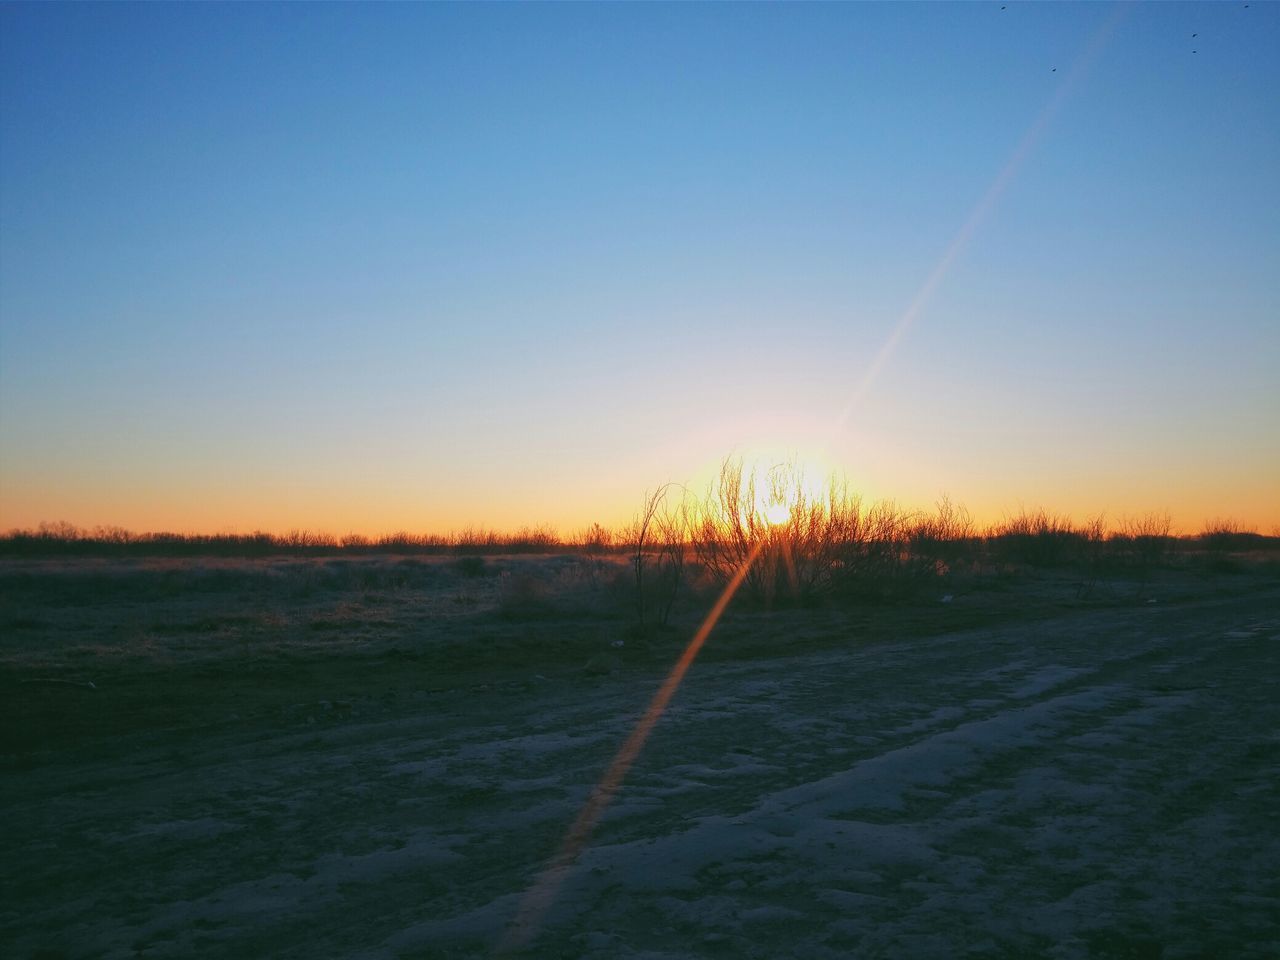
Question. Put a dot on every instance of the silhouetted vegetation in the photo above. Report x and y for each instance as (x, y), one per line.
(1228, 536)
(657, 540)
(64, 539)
(803, 548)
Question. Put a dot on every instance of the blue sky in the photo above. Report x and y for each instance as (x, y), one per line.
(425, 266)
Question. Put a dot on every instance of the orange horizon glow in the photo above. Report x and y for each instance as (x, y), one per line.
(993, 456)
(948, 267)
(1251, 506)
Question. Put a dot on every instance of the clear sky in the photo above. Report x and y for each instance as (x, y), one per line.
(373, 267)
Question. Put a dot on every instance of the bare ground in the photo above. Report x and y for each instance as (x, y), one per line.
(378, 764)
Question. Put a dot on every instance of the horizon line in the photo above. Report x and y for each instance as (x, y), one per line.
(585, 534)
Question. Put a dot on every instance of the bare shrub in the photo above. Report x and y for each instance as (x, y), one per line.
(397, 542)
(1224, 535)
(658, 540)
(306, 538)
(541, 539)
(1037, 539)
(1142, 542)
(816, 539)
(475, 540)
(822, 546)
(1094, 546)
(731, 531)
(594, 539)
(880, 563)
(943, 536)
(726, 529)
(673, 546)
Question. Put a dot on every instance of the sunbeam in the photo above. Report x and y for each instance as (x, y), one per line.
(539, 897)
(980, 212)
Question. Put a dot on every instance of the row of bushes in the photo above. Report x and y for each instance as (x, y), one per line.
(789, 544)
(819, 537)
(63, 539)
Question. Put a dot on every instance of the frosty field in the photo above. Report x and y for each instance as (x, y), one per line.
(376, 757)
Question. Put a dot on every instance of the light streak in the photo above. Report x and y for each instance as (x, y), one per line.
(960, 241)
(539, 897)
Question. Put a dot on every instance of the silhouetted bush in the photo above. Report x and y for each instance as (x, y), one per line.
(820, 548)
(1142, 542)
(1228, 536)
(1038, 539)
(657, 540)
(803, 547)
(595, 539)
(63, 539)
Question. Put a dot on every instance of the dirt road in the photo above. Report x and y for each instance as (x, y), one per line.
(1100, 784)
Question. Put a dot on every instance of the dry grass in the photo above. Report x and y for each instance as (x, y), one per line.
(683, 545)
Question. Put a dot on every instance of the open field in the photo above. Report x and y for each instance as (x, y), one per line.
(375, 756)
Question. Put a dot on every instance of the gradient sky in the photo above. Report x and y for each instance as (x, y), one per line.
(405, 266)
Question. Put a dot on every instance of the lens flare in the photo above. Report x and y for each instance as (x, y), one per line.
(1030, 139)
(539, 897)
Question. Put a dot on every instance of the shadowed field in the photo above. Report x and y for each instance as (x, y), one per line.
(374, 756)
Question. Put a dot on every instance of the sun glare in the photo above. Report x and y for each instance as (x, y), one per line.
(777, 513)
(773, 493)
(778, 485)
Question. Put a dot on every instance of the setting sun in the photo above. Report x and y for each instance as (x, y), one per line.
(777, 487)
(777, 513)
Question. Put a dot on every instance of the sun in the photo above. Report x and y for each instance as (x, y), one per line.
(771, 491)
(777, 513)
(765, 484)
(779, 484)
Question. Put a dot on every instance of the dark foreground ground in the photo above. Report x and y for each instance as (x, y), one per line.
(375, 758)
